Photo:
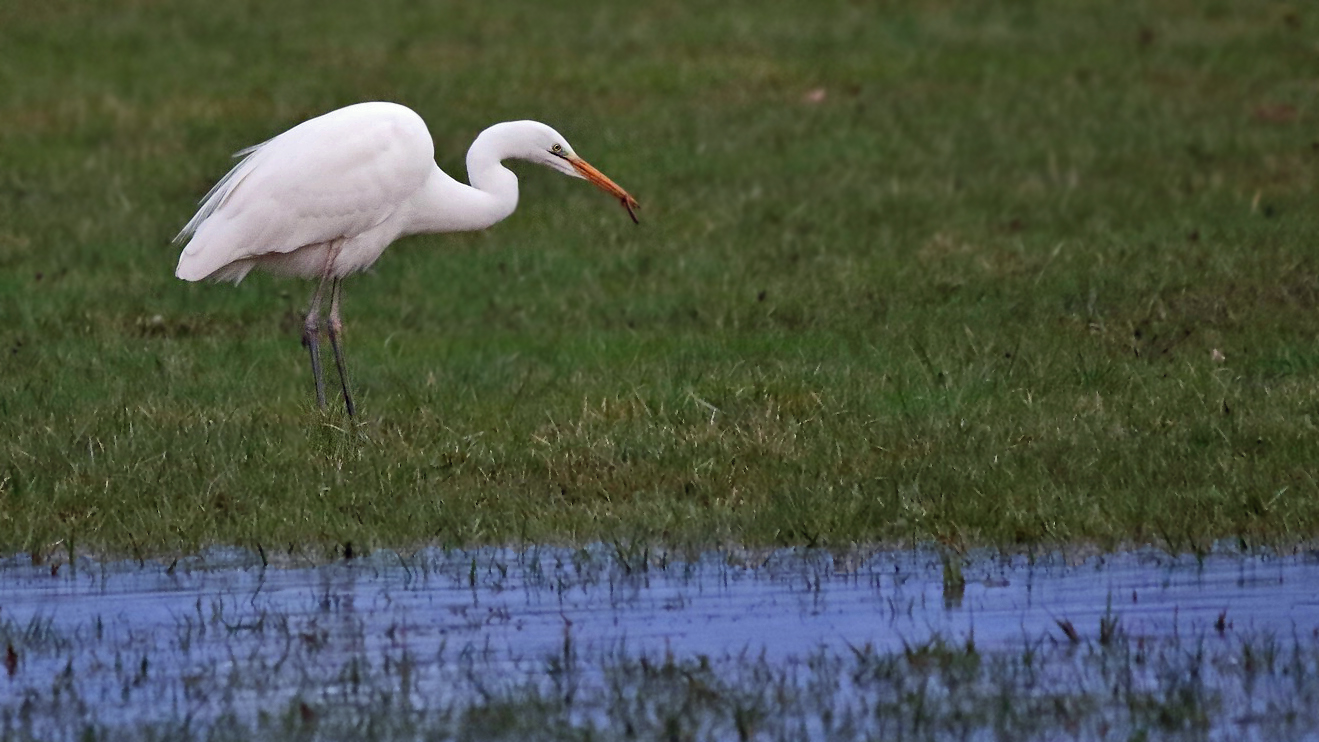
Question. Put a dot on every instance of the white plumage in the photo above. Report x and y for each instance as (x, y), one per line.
(325, 198)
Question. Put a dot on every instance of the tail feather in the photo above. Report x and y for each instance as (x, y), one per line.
(221, 191)
(207, 254)
(196, 262)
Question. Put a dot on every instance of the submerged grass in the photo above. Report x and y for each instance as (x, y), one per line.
(1119, 686)
(991, 274)
(580, 644)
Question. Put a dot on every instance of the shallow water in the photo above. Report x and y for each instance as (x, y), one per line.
(123, 644)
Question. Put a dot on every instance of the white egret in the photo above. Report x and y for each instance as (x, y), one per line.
(324, 199)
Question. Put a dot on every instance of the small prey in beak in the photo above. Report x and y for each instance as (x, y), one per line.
(603, 182)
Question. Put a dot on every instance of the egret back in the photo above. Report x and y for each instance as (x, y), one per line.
(346, 176)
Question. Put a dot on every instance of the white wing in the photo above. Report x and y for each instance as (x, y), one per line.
(334, 176)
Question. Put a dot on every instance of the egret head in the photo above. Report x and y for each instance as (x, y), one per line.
(539, 143)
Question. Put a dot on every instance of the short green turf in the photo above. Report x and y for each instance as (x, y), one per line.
(992, 273)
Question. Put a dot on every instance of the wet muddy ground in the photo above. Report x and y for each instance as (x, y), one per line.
(613, 642)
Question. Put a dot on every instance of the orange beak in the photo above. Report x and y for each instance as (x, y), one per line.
(603, 182)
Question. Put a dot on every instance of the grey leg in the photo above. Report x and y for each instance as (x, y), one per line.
(311, 330)
(336, 329)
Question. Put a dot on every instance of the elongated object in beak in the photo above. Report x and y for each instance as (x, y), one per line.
(603, 182)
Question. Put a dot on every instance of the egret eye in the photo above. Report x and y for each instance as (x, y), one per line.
(557, 149)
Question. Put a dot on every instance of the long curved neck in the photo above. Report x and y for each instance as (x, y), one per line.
(447, 205)
(487, 174)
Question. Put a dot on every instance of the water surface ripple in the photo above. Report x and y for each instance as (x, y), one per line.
(140, 642)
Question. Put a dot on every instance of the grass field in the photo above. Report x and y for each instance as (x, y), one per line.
(993, 273)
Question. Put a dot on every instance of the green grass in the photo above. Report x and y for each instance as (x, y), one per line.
(1026, 274)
